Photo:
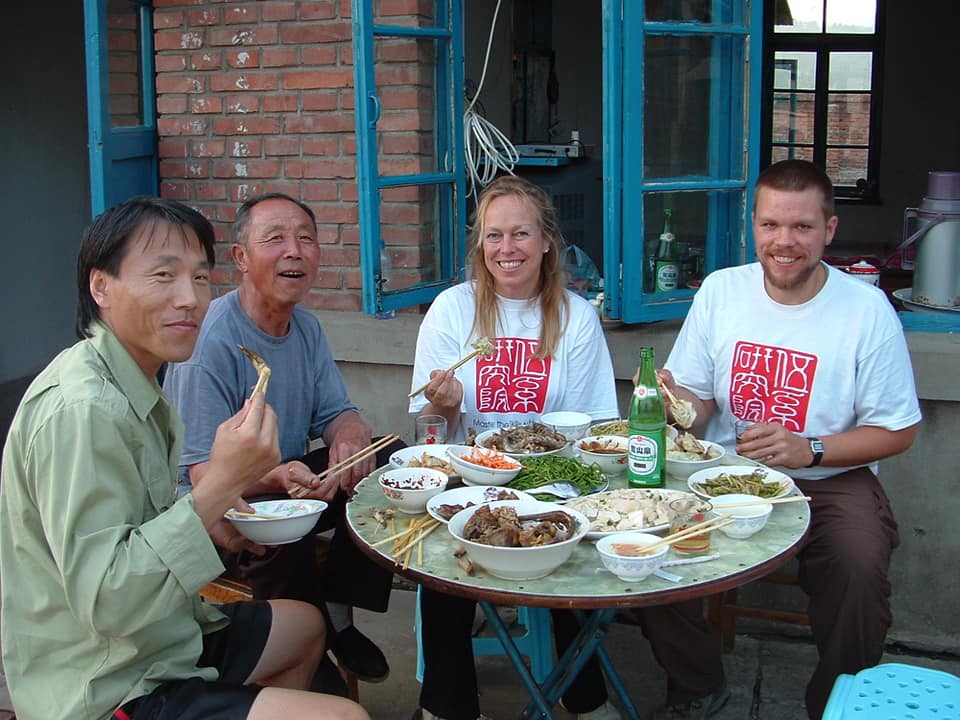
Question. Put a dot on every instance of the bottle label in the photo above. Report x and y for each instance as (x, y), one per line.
(642, 455)
(667, 276)
(642, 391)
(668, 236)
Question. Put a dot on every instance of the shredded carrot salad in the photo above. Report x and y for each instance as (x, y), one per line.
(491, 459)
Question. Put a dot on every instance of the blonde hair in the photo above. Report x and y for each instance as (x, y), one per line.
(554, 303)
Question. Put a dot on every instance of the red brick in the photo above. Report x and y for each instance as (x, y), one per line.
(350, 235)
(167, 19)
(241, 192)
(232, 82)
(326, 300)
(346, 55)
(207, 16)
(339, 257)
(174, 40)
(328, 279)
(243, 104)
(318, 79)
(336, 212)
(179, 84)
(275, 10)
(406, 214)
(399, 7)
(175, 3)
(411, 166)
(261, 35)
(210, 191)
(350, 145)
(208, 148)
(347, 99)
(247, 169)
(399, 144)
(175, 191)
(242, 58)
(171, 104)
(280, 103)
(200, 105)
(400, 120)
(405, 235)
(318, 10)
(397, 51)
(326, 146)
(320, 122)
(319, 55)
(326, 234)
(315, 192)
(352, 280)
(240, 14)
(328, 168)
(396, 75)
(246, 126)
(226, 213)
(409, 193)
(403, 98)
(348, 192)
(282, 146)
(321, 100)
(171, 63)
(225, 274)
(300, 34)
(181, 126)
(246, 147)
(167, 148)
(279, 57)
(206, 60)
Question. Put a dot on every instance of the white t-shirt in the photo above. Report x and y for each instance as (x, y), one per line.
(512, 387)
(836, 362)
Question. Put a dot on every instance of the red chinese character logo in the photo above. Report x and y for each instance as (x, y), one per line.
(511, 379)
(771, 384)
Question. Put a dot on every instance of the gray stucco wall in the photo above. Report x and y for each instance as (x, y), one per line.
(376, 358)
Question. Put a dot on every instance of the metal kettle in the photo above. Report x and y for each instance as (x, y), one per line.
(936, 275)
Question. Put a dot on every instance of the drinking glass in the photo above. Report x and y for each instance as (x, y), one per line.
(740, 427)
(431, 429)
(687, 512)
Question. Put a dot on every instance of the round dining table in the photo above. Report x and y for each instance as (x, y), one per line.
(581, 584)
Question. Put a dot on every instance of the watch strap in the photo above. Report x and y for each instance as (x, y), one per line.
(816, 447)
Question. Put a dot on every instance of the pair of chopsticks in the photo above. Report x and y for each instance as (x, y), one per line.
(404, 542)
(483, 346)
(698, 529)
(301, 491)
(263, 516)
(776, 501)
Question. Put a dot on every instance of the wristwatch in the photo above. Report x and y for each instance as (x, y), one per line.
(816, 447)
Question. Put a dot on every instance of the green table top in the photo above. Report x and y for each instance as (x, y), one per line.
(583, 582)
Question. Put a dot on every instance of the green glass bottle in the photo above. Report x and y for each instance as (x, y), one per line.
(667, 272)
(648, 423)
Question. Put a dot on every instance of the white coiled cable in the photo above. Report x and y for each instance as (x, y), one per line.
(486, 149)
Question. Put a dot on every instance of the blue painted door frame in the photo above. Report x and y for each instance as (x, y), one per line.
(123, 160)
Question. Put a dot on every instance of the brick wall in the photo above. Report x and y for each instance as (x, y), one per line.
(258, 97)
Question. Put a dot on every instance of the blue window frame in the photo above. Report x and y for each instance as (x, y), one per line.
(681, 133)
(410, 164)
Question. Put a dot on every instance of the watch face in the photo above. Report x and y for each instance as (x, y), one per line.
(816, 446)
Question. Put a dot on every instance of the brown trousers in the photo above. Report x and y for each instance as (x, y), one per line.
(844, 566)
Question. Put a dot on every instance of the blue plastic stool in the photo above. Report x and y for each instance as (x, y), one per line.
(536, 642)
(894, 691)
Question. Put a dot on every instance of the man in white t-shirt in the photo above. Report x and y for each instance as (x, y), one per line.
(817, 359)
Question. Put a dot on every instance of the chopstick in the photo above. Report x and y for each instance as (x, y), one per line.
(372, 449)
(241, 514)
(775, 501)
(698, 529)
(462, 361)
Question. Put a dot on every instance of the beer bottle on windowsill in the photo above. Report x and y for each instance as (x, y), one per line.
(667, 272)
(646, 452)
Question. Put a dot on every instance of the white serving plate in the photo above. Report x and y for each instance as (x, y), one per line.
(477, 494)
(664, 493)
(772, 476)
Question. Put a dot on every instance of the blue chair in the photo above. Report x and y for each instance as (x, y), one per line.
(536, 641)
(894, 691)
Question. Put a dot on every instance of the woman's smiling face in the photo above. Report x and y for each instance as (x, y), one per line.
(513, 247)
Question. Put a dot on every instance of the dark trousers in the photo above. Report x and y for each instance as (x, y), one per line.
(347, 577)
(682, 641)
(844, 568)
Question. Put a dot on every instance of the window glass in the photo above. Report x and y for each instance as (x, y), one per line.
(705, 11)
(410, 229)
(846, 166)
(851, 16)
(795, 70)
(689, 116)
(850, 71)
(799, 16)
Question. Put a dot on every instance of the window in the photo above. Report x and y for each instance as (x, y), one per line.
(822, 65)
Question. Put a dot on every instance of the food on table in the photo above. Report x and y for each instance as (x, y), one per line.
(533, 438)
(685, 446)
(448, 511)
(432, 461)
(603, 447)
(504, 528)
(746, 483)
(616, 427)
(550, 468)
(630, 549)
(464, 562)
(260, 365)
(492, 459)
(410, 483)
(683, 413)
(628, 509)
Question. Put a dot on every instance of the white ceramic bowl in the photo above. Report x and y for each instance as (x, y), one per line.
(749, 519)
(297, 519)
(408, 489)
(783, 483)
(610, 462)
(485, 436)
(682, 469)
(519, 563)
(627, 567)
(478, 474)
(573, 425)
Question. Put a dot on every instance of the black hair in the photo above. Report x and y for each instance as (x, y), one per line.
(243, 214)
(106, 241)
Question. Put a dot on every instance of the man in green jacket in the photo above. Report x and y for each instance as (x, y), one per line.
(101, 564)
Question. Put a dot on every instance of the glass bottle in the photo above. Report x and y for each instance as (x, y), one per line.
(667, 272)
(648, 423)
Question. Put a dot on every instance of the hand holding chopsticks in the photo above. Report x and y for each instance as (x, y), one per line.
(372, 449)
(483, 346)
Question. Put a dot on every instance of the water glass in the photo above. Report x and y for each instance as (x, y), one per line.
(686, 512)
(740, 427)
(431, 429)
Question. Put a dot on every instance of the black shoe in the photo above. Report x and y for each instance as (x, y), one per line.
(328, 679)
(356, 653)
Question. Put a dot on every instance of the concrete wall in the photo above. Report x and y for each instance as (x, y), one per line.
(376, 360)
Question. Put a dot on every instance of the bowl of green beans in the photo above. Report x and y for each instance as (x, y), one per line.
(544, 470)
(756, 480)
